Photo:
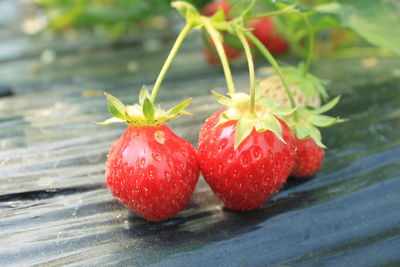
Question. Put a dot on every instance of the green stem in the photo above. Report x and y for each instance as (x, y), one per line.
(252, 75)
(182, 35)
(311, 36)
(310, 42)
(274, 13)
(222, 55)
(276, 67)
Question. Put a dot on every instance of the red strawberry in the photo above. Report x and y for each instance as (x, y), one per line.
(149, 169)
(243, 178)
(152, 171)
(209, 125)
(309, 158)
(310, 149)
(264, 30)
(212, 8)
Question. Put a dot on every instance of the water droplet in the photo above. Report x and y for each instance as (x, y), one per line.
(142, 162)
(222, 144)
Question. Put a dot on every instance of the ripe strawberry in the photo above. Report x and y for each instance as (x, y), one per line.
(209, 124)
(152, 171)
(264, 30)
(309, 158)
(245, 177)
(212, 8)
(244, 174)
(149, 169)
(310, 149)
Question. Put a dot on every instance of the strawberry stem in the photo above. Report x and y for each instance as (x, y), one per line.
(222, 55)
(310, 41)
(276, 67)
(182, 35)
(274, 13)
(252, 75)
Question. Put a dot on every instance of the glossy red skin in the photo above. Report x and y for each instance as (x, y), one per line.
(244, 178)
(231, 54)
(212, 8)
(264, 30)
(309, 158)
(153, 178)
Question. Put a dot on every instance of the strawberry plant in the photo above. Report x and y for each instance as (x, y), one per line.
(247, 150)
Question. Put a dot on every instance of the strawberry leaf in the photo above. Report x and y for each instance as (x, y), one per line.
(179, 109)
(309, 84)
(116, 107)
(223, 100)
(219, 16)
(324, 121)
(306, 131)
(110, 121)
(144, 93)
(148, 110)
(244, 127)
(270, 123)
(327, 106)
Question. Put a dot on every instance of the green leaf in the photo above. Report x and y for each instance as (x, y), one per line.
(219, 16)
(183, 7)
(186, 10)
(327, 106)
(179, 108)
(328, 8)
(316, 135)
(240, 7)
(306, 131)
(144, 93)
(223, 100)
(116, 107)
(244, 127)
(376, 20)
(323, 121)
(148, 109)
(283, 111)
(274, 126)
(110, 120)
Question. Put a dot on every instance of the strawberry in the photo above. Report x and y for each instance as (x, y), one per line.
(152, 171)
(306, 88)
(310, 149)
(264, 30)
(149, 169)
(272, 87)
(209, 124)
(309, 158)
(245, 160)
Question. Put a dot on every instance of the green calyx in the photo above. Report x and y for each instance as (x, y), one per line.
(311, 118)
(309, 84)
(263, 118)
(144, 113)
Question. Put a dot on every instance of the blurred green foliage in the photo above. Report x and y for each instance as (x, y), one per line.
(114, 16)
(338, 24)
